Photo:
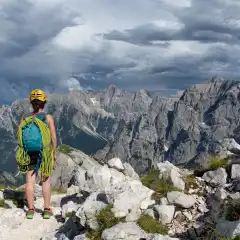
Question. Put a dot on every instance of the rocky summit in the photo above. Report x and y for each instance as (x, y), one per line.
(110, 201)
(132, 166)
(140, 128)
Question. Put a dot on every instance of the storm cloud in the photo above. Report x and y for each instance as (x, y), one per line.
(151, 44)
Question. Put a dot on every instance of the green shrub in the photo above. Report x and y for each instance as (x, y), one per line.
(217, 162)
(160, 186)
(71, 215)
(163, 187)
(151, 225)
(16, 202)
(65, 149)
(232, 213)
(216, 234)
(6, 186)
(148, 179)
(214, 163)
(3, 204)
(105, 219)
(233, 210)
(190, 182)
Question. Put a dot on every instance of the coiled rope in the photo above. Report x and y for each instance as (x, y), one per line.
(22, 157)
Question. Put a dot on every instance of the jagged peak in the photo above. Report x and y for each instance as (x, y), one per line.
(217, 79)
(143, 92)
(113, 90)
(113, 87)
(205, 85)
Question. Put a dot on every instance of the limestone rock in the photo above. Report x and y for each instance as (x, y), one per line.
(165, 213)
(73, 190)
(235, 171)
(69, 207)
(63, 172)
(1, 195)
(163, 201)
(81, 237)
(181, 199)
(149, 212)
(127, 195)
(129, 230)
(172, 174)
(116, 163)
(221, 193)
(159, 237)
(216, 178)
(90, 208)
(228, 229)
(129, 171)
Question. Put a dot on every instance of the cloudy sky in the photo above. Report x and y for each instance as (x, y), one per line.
(150, 44)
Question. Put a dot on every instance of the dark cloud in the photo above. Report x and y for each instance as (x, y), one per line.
(25, 28)
(204, 27)
(142, 35)
(159, 44)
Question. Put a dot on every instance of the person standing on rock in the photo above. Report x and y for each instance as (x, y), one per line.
(37, 150)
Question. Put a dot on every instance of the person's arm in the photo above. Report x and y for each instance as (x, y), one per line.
(53, 133)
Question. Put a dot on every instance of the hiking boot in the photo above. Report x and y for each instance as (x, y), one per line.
(47, 213)
(30, 214)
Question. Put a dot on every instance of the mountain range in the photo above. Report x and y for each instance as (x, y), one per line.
(141, 128)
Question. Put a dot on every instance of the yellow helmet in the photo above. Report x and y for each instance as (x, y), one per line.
(39, 95)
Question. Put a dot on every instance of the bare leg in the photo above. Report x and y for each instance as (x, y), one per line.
(46, 187)
(30, 181)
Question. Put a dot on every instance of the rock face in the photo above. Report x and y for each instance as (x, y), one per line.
(11, 226)
(104, 202)
(137, 128)
(120, 231)
(181, 199)
(171, 173)
(235, 174)
(216, 178)
(7, 179)
(68, 164)
(165, 213)
(89, 209)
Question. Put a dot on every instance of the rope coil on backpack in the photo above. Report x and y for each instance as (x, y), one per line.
(22, 157)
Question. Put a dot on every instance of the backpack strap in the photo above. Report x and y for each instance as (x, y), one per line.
(24, 116)
(41, 115)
